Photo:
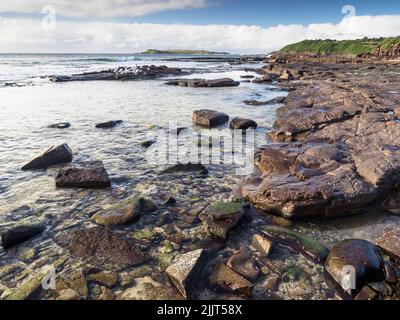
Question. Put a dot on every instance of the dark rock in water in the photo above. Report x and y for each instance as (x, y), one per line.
(121, 74)
(202, 83)
(264, 103)
(209, 118)
(389, 242)
(86, 175)
(247, 76)
(220, 218)
(185, 269)
(53, 156)
(61, 125)
(186, 168)
(177, 131)
(102, 248)
(382, 288)
(308, 247)
(109, 124)
(390, 273)
(19, 234)
(243, 263)
(224, 278)
(361, 255)
(243, 124)
(148, 144)
(124, 212)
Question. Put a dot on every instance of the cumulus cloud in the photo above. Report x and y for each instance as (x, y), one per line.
(22, 35)
(100, 8)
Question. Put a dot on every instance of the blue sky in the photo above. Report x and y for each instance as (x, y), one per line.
(268, 13)
(237, 26)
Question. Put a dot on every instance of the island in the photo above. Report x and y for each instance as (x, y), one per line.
(183, 51)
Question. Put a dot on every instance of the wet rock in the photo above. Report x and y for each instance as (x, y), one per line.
(382, 288)
(264, 79)
(224, 278)
(262, 245)
(28, 289)
(308, 247)
(390, 273)
(109, 124)
(185, 269)
(276, 100)
(243, 124)
(19, 234)
(366, 293)
(247, 76)
(107, 279)
(106, 295)
(186, 168)
(272, 282)
(209, 118)
(91, 175)
(202, 83)
(361, 255)
(389, 242)
(124, 212)
(75, 281)
(220, 218)
(61, 125)
(177, 131)
(53, 156)
(243, 263)
(102, 248)
(148, 144)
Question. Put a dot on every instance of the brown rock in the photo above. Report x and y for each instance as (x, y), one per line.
(102, 248)
(262, 245)
(209, 118)
(202, 83)
(86, 175)
(226, 279)
(366, 294)
(53, 156)
(242, 124)
(243, 263)
(389, 242)
(107, 279)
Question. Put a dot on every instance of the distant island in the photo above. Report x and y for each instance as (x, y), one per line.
(361, 47)
(193, 52)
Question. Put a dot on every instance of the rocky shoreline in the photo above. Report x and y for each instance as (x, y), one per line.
(186, 235)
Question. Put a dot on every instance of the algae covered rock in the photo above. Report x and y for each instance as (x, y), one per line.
(308, 247)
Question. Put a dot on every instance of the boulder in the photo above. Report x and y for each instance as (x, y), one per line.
(243, 263)
(86, 175)
(109, 124)
(262, 245)
(61, 125)
(202, 83)
(359, 255)
(186, 168)
(185, 269)
(124, 212)
(308, 247)
(53, 156)
(389, 242)
(102, 248)
(19, 234)
(224, 278)
(220, 218)
(242, 124)
(209, 118)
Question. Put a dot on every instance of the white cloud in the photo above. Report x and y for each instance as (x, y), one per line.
(100, 8)
(18, 35)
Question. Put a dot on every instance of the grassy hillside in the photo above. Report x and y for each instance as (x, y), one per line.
(198, 52)
(346, 47)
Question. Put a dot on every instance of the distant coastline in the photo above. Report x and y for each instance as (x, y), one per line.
(193, 52)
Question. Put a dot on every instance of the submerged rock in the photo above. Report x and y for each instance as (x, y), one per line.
(389, 242)
(124, 212)
(29, 289)
(185, 269)
(359, 256)
(224, 278)
(209, 118)
(102, 248)
(86, 175)
(220, 218)
(53, 156)
(276, 100)
(19, 234)
(243, 263)
(61, 125)
(104, 278)
(74, 280)
(109, 124)
(186, 168)
(242, 124)
(308, 247)
(148, 144)
(202, 83)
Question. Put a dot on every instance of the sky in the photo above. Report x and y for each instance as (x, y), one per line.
(237, 26)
